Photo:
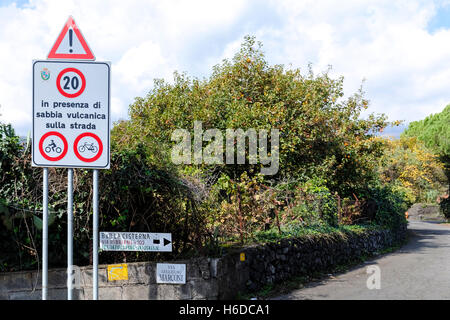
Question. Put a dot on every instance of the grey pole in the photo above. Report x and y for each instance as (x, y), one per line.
(45, 234)
(69, 233)
(95, 238)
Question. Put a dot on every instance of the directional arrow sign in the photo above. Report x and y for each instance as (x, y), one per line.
(136, 241)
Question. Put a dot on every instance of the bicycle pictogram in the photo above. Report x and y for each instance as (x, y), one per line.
(88, 146)
(52, 147)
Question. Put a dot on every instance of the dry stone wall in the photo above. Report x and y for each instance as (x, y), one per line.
(210, 278)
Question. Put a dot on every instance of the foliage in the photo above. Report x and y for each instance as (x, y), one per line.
(134, 197)
(412, 168)
(445, 207)
(434, 131)
(321, 133)
(325, 149)
(241, 208)
(298, 230)
(329, 161)
(391, 205)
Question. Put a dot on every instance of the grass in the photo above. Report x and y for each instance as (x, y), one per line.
(273, 235)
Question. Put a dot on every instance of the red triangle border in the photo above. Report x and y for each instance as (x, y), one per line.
(87, 56)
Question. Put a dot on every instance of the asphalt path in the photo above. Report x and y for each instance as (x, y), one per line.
(418, 270)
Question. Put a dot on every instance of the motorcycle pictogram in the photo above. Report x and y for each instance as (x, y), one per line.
(53, 147)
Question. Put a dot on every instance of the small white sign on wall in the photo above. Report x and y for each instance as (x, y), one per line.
(170, 273)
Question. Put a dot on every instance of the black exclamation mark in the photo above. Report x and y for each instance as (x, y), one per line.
(70, 40)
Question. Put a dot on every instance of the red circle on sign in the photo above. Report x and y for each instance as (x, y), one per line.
(100, 147)
(41, 148)
(83, 83)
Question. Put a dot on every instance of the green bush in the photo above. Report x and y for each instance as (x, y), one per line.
(445, 207)
(326, 149)
(321, 133)
(133, 197)
(392, 205)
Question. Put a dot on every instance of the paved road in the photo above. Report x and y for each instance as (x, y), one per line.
(418, 270)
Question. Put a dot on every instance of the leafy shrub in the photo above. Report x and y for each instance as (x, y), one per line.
(327, 151)
(434, 131)
(133, 197)
(445, 207)
(410, 166)
(391, 205)
(311, 203)
(321, 134)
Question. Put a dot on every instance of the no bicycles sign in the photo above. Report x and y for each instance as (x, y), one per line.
(71, 121)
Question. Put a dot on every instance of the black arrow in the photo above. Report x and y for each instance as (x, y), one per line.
(166, 242)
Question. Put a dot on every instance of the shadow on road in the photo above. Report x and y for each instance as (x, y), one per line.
(421, 237)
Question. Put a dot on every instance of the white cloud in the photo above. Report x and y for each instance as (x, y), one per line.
(406, 66)
(139, 65)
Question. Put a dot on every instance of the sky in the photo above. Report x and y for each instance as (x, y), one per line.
(398, 50)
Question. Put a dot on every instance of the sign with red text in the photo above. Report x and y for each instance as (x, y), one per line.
(136, 241)
(71, 114)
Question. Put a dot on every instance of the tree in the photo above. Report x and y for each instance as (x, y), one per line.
(409, 165)
(321, 133)
(434, 131)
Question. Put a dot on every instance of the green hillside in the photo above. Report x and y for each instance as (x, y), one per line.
(434, 131)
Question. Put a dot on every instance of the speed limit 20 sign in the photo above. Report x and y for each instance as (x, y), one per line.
(71, 118)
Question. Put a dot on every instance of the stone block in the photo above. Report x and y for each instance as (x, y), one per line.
(87, 275)
(104, 293)
(26, 295)
(141, 273)
(204, 290)
(61, 294)
(57, 294)
(139, 292)
(196, 269)
(16, 281)
(56, 278)
(174, 292)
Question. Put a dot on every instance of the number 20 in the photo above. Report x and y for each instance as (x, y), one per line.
(74, 82)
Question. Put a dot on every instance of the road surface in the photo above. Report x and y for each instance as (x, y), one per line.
(418, 270)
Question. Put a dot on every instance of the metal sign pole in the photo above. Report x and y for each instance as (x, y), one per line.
(95, 237)
(69, 233)
(53, 148)
(45, 234)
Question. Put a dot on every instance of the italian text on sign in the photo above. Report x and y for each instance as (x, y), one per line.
(136, 241)
(71, 118)
(170, 273)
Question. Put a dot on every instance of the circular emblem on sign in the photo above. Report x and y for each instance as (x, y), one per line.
(88, 147)
(53, 146)
(45, 74)
(71, 82)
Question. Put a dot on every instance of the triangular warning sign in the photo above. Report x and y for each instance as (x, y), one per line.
(71, 44)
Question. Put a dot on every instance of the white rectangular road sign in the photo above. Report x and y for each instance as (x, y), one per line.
(71, 114)
(136, 241)
(170, 273)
